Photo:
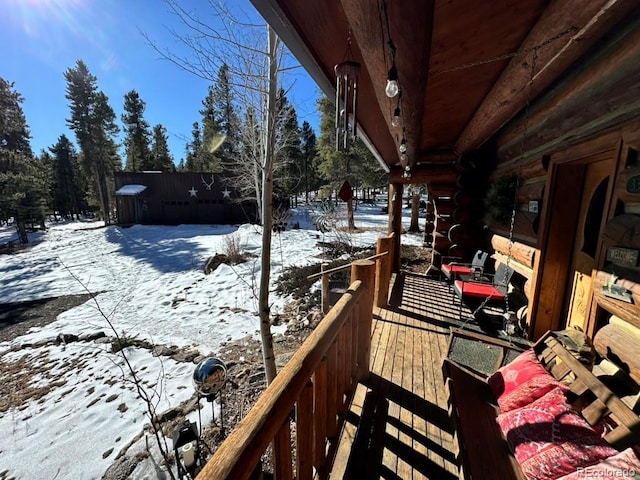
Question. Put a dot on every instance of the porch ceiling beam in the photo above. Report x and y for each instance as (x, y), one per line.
(412, 59)
(426, 174)
(564, 32)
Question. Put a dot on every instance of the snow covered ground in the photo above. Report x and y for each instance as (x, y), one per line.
(150, 285)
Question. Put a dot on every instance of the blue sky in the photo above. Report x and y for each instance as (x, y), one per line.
(43, 38)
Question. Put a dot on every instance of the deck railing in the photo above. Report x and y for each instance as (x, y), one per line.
(384, 259)
(316, 384)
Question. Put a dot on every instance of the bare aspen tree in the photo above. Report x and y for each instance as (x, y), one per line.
(267, 209)
(254, 73)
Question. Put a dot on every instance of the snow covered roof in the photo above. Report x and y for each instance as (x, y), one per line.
(131, 189)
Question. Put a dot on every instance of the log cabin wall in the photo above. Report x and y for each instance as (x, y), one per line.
(584, 126)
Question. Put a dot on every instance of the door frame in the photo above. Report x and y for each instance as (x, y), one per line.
(559, 216)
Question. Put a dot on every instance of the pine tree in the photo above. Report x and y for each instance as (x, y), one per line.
(22, 178)
(212, 137)
(161, 158)
(288, 171)
(137, 133)
(331, 164)
(66, 189)
(93, 121)
(356, 164)
(194, 161)
(225, 111)
(309, 151)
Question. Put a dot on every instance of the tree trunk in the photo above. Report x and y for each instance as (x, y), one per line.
(259, 194)
(21, 228)
(267, 208)
(415, 211)
(102, 189)
(351, 222)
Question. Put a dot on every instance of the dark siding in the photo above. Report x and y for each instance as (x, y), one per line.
(168, 200)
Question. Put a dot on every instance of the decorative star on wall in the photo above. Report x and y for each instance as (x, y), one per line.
(193, 192)
(226, 193)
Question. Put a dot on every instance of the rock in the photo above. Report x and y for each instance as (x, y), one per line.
(163, 351)
(66, 338)
(91, 336)
(184, 356)
(258, 377)
(121, 469)
(213, 262)
(169, 415)
(281, 360)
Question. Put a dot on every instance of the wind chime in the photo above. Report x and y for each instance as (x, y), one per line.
(346, 99)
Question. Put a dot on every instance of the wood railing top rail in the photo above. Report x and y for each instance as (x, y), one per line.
(239, 454)
(343, 267)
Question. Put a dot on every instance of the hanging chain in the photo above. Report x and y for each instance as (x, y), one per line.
(506, 56)
(525, 129)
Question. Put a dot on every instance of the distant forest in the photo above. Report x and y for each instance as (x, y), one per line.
(74, 177)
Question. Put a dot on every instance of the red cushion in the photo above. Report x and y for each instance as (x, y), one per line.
(521, 382)
(549, 439)
(451, 270)
(623, 465)
(529, 391)
(477, 289)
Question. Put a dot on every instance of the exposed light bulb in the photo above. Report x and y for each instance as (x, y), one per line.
(392, 89)
(403, 146)
(395, 120)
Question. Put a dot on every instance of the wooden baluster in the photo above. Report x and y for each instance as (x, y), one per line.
(283, 468)
(341, 385)
(355, 328)
(320, 415)
(348, 352)
(332, 390)
(304, 438)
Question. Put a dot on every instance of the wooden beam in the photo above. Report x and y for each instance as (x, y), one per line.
(413, 48)
(606, 89)
(428, 174)
(566, 30)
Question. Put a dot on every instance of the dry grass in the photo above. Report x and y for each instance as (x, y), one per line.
(17, 381)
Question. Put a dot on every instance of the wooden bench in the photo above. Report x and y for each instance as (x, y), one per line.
(483, 452)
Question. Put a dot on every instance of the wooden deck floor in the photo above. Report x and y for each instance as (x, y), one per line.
(398, 426)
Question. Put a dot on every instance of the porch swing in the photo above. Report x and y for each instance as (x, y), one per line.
(488, 288)
(495, 288)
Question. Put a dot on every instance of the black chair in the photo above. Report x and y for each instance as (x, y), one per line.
(485, 288)
(453, 270)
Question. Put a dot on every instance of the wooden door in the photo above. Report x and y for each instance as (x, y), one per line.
(585, 240)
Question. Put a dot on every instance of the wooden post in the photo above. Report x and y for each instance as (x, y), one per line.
(364, 270)
(395, 221)
(383, 272)
(325, 288)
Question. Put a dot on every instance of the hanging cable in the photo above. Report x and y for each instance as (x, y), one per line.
(525, 129)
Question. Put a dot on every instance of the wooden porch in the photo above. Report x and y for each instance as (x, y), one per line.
(398, 425)
(366, 390)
